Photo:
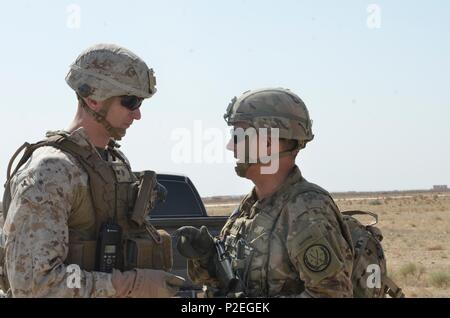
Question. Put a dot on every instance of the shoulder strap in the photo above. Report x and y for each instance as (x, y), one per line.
(93, 167)
(29, 149)
(13, 158)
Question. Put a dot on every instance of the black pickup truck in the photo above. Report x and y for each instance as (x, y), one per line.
(183, 206)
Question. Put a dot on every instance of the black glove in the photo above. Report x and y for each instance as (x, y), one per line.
(193, 243)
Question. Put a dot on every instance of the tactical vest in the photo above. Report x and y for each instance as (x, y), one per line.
(113, 192)
(249, 244)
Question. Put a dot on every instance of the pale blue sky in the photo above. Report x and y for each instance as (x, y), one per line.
(378, 97)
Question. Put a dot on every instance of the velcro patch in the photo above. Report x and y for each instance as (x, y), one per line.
(317, 258)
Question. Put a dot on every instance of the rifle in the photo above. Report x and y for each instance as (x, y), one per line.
(230, 284)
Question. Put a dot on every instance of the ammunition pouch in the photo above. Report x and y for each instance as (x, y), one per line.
(82, 253)
(138, 251)
(155, 252)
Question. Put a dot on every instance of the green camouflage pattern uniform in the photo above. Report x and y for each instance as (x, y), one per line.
(296, 244)
(47, 192)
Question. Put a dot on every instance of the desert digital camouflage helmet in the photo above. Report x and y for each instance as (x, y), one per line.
(108, 70)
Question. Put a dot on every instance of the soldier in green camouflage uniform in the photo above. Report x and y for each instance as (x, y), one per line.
(287, 238)
(52, 213)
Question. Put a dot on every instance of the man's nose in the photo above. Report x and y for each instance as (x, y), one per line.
(137, 114)
(230, 145)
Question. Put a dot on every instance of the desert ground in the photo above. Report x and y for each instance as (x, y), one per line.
(416, 230)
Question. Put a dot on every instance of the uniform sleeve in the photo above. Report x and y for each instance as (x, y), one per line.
(320, 253)
(37, 233)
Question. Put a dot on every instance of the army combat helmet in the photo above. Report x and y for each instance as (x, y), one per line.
(272, 108)
(107, 70)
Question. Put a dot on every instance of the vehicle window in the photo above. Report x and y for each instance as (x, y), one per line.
(180, 202)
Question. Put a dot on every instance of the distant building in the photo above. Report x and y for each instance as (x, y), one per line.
(440, 187)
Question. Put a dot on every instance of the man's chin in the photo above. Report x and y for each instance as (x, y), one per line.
(119, 134)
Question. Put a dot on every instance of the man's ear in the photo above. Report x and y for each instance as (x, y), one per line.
(92, 104)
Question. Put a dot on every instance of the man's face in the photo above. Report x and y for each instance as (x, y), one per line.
(237, 144)
(259, 143)
(121, 117)
(255, 147)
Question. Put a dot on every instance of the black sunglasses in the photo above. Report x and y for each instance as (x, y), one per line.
(131, 102)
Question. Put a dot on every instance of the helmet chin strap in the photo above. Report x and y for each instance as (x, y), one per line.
(100, 117)
(242, 168)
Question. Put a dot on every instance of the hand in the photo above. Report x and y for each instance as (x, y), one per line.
(193, 243)
(146, 283)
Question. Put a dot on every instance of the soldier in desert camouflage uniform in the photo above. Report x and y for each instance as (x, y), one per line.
(55, 211)
(287, 237)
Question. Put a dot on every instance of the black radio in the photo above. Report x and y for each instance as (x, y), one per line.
(108, 249)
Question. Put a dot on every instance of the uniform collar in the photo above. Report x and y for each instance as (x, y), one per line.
(247, 203)
(251, 200)
(293, 177)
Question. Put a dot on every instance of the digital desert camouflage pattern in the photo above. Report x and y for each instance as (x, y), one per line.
(47, 191)
(296, 244)
(272, 108)
(107, 70)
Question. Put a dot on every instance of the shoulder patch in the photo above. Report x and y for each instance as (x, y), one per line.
(317, 258)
